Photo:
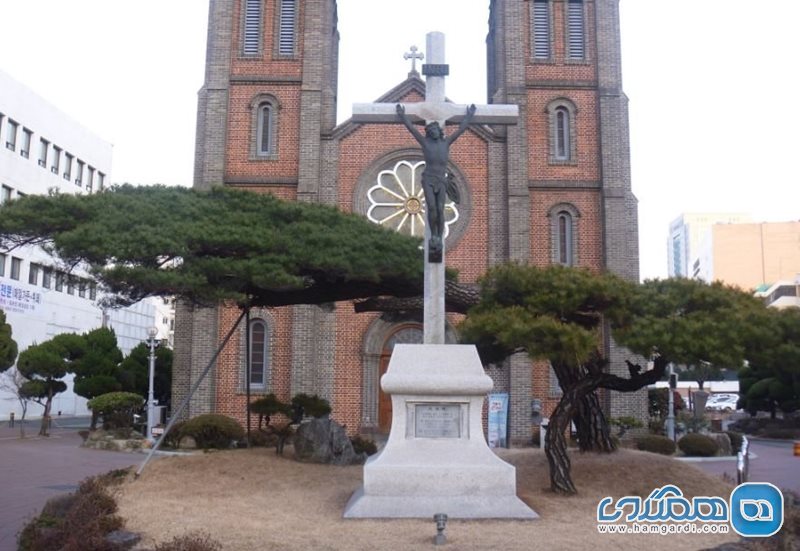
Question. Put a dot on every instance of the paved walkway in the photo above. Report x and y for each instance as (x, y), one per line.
(34, 469)
(775, 462)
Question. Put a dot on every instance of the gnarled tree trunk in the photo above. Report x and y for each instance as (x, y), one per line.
(591, 424)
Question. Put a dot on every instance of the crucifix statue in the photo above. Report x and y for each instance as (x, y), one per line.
(435, 112)
(437, 182)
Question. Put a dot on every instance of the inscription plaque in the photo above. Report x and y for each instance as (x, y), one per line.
(437, 421)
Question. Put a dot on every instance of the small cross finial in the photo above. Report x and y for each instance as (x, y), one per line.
(414, 56)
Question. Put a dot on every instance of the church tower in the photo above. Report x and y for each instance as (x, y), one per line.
(554, 188)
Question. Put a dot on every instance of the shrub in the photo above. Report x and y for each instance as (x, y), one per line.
(625, 423)
(173, 436)
(312, 406)
(363, 445)
(736, 440)
(655, 444)
(116, 408)
(780, 433)
(197, 541)
(213, 430)
(74, 522)
(698, 445)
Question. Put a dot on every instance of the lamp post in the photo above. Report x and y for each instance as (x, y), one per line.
(151, 333)
(671, 405)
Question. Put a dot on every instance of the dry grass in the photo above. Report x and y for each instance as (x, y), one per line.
(253, 499)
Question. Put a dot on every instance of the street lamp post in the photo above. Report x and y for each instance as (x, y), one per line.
(151, 333)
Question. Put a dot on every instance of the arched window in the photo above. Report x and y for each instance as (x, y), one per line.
(264, 145)
(265, 123)
(563, 229)
(259, 354)
(564, 252)
(562, 134)
(561, 113)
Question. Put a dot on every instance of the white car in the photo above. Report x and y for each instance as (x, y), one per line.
(722, 402)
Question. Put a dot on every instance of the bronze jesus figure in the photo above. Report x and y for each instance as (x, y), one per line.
(436, 182)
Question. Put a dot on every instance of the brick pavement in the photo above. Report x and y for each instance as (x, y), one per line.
(34, 469)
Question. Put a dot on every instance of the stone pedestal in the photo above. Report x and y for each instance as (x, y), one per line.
(436, 459)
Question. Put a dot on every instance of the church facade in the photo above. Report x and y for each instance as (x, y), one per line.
(554, 188)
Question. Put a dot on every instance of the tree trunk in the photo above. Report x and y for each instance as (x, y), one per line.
(45, 426)
(555, 448)
(594, 434)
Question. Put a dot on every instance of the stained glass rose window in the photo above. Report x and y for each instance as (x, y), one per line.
(398, 202)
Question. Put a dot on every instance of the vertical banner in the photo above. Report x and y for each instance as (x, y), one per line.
(498, 420)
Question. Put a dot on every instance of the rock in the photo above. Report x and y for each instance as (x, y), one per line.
(123, 539)
(325, 441)
(724, 442)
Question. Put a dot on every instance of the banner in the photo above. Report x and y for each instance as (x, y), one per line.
(498, 420)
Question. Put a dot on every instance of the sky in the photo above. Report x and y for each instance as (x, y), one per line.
(713, 88)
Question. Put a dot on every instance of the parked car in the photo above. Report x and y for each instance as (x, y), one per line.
(722, 402)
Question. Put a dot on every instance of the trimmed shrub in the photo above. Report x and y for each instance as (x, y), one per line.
(213, 430)
(311, 406)
(780, 433)
(736, 440)
(116, 408)
(655, 444)
(173, 437)
(363, 445)
(196, 541)
(698, 445)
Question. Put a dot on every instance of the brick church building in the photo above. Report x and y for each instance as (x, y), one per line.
(553, 188)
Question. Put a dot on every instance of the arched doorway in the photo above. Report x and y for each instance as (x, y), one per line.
(410, 333)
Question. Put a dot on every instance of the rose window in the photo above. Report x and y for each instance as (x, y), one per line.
(397, 200)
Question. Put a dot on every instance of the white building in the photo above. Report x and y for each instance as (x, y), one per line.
(781, 294)
(42, 149)
(687, 232)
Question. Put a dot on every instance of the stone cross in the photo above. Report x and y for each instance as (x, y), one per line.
(435, 108)
(413, 56)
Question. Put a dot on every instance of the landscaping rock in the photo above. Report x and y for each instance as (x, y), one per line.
(325, 441)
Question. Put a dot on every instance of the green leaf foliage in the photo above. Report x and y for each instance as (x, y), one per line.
(8, 346)
(222, 244)
(552, 313)
(135, 372)
(96, 365)
(691, 322)
(113, 401)
(772, 378)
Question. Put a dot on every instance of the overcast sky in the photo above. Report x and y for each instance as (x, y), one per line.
(712, 85)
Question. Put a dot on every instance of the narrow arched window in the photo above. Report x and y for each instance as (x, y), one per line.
(264, 133)
(562, 113)
(562, 134)
(259, 359)
(563, 230)
(564, 253)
